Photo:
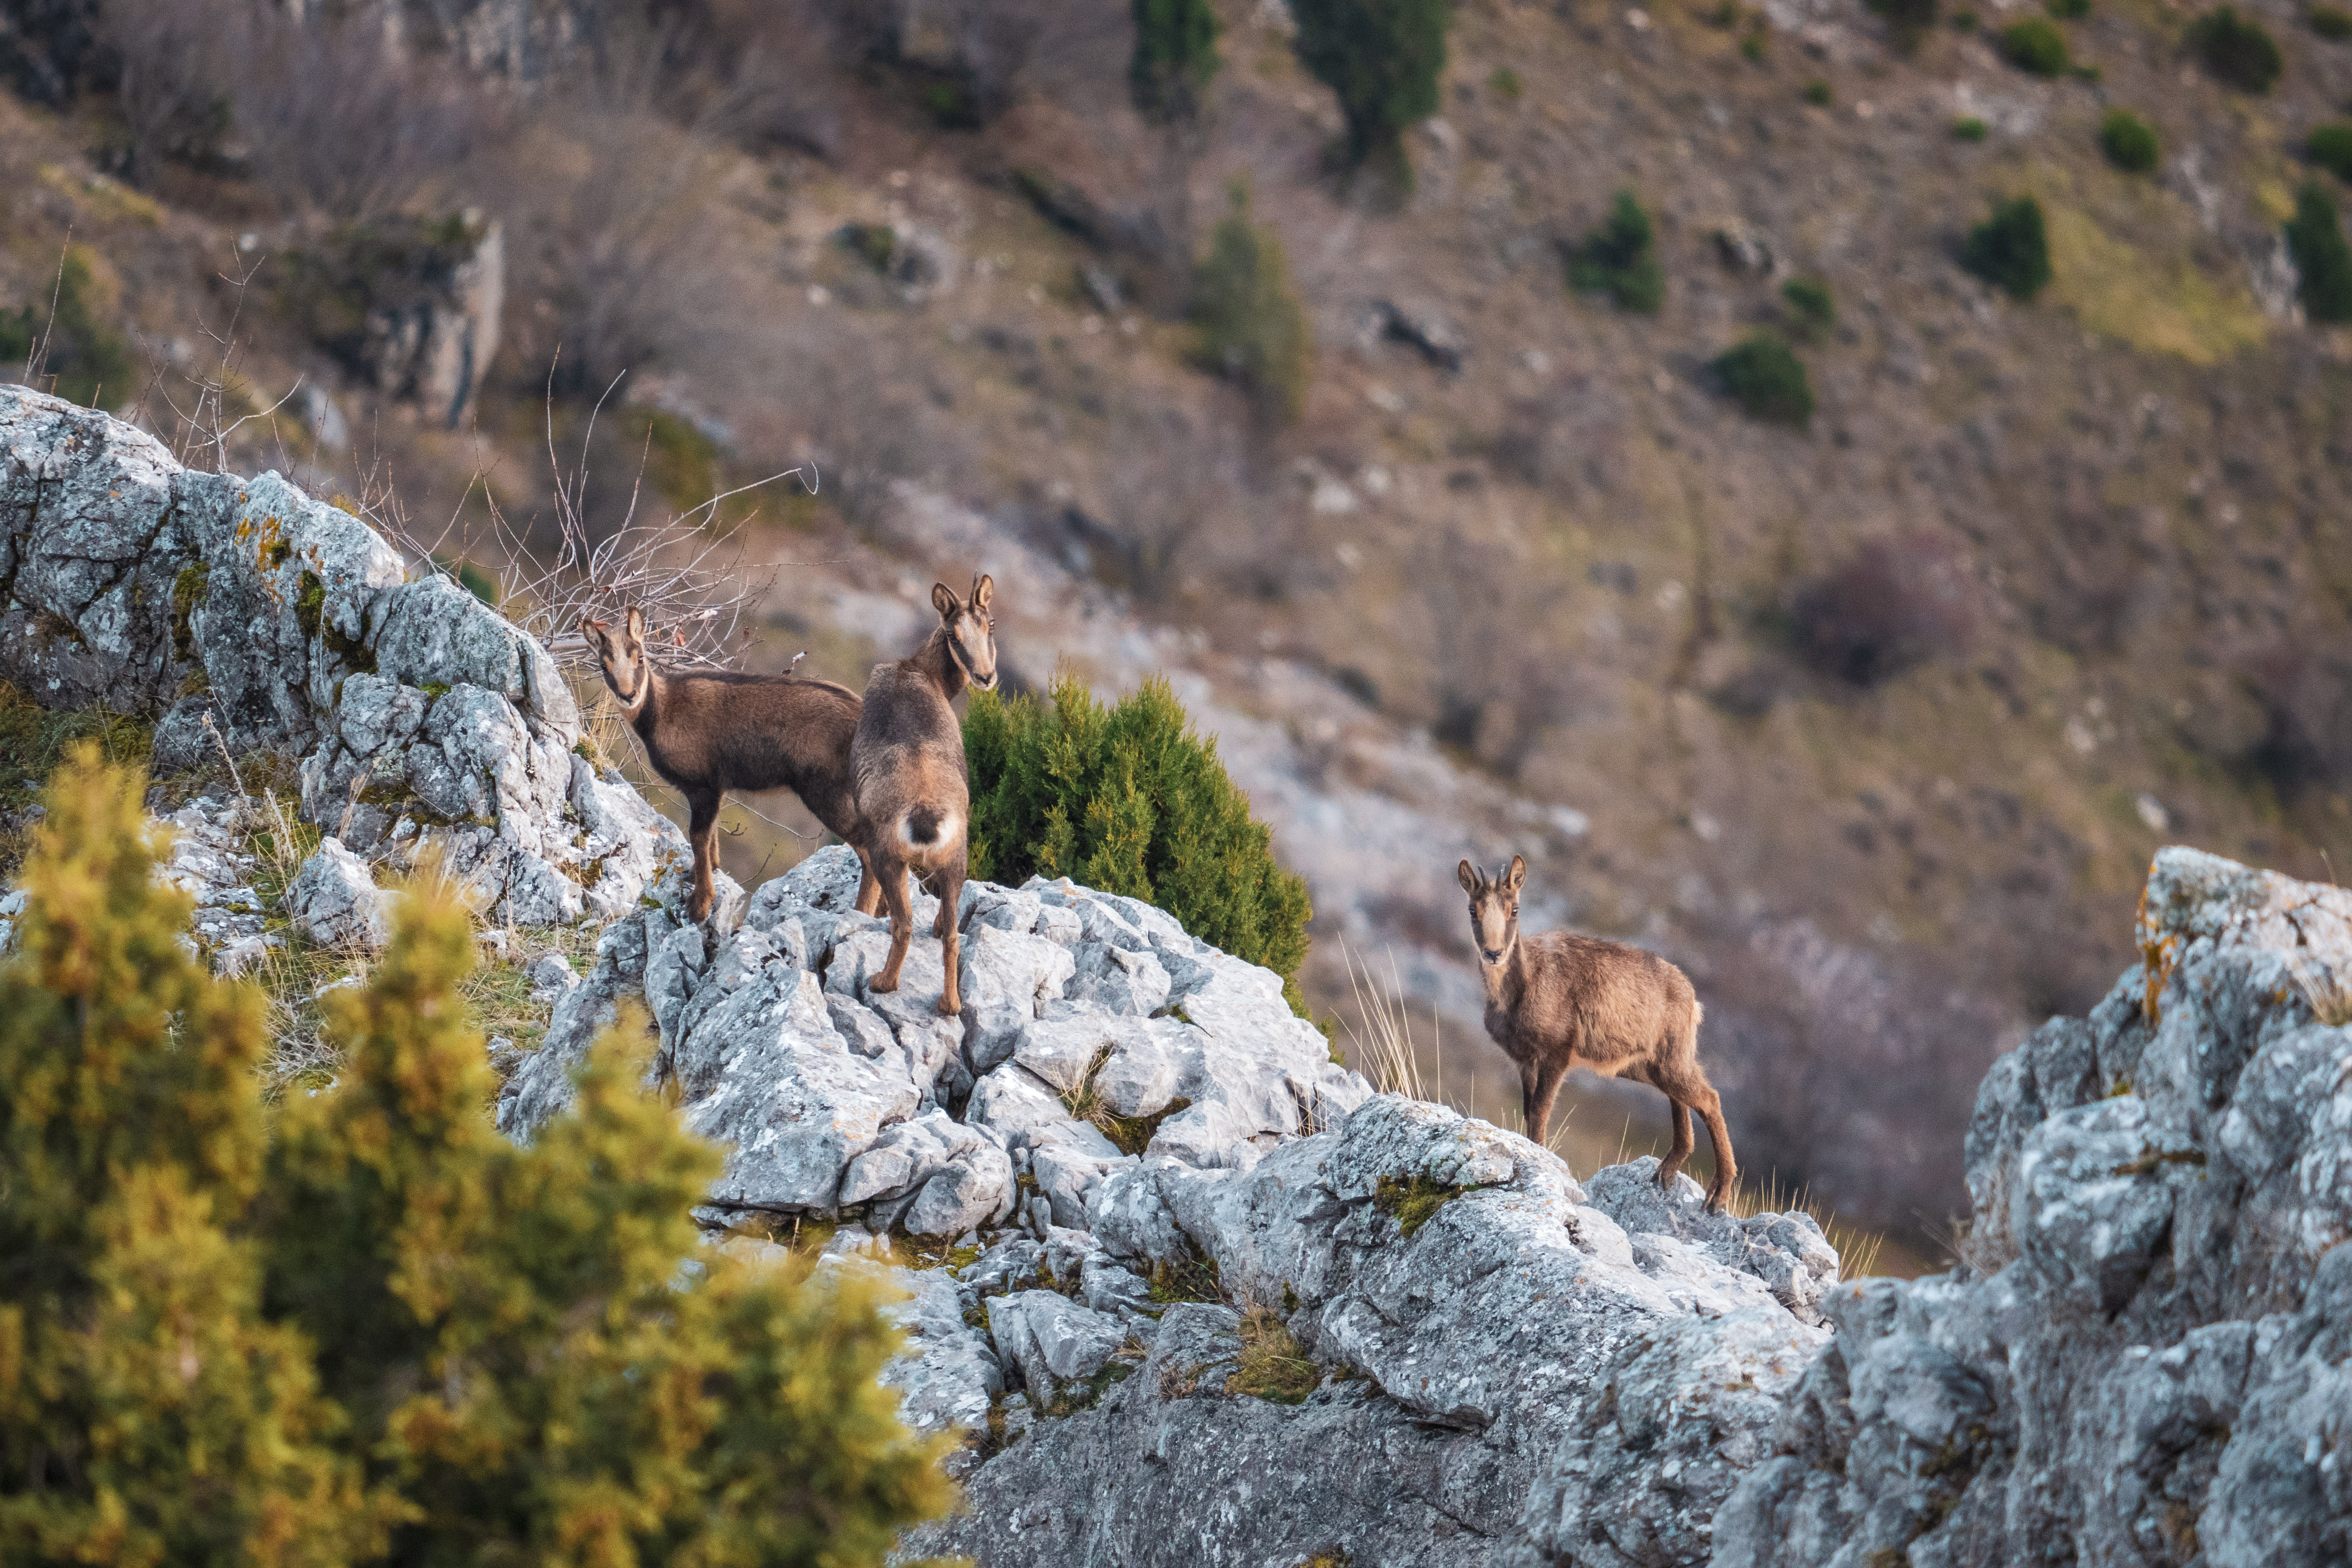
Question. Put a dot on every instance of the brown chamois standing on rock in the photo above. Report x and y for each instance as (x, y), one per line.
(709, 733)
(1560, 1000)
(912, 791)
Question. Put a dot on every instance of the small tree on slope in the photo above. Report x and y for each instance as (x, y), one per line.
(1383, 58)
(419, 1340)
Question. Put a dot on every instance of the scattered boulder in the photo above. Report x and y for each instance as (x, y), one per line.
(334, 902)
(1418, 326)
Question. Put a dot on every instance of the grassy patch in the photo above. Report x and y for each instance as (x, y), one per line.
(2160, 303)
(1273, 1367)
(1076, 1396)
(32, 740)
(1410, 1204)
(1194, 1280)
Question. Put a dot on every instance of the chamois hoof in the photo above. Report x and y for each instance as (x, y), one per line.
(950, 1007)
(882, 983)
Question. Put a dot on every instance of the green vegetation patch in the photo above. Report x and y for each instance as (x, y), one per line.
(1811, 308)
(1411, 1203)
(84, 357)
(2068, 10)
(34, 741)
(1908, 21)
(1253, 329)
(1133, 1134)
(2034, 47)
(1129, 800)
(1076, 1396)
(2330, 147)
(188, 590)
(1767, 381)
(2128, 142)
(1192, 1280)
(1969, 128)
(1384, 60)
(2314, 237)
(1273, 1366)
(2330, 22)
(2010, 249)
(272, 1352)
(2235, 50)
(1619, 259)
(1175, 57)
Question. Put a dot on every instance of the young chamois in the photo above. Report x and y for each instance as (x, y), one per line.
(912, 791)
(709, 733)
(1560, 1000)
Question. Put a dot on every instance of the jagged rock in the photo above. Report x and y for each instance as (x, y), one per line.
(1492, 1358)
(428, 296)
(955, 1177)
(426, 725)
(1439, 341)
(1052, 1339)
(2147, 1358)
(334, 902)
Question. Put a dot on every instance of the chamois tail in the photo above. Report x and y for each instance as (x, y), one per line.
(925, 826)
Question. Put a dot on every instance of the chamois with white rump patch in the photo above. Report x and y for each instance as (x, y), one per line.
(913, 792)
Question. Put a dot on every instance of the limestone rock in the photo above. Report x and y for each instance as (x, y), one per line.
(2148, 1356)
(334, 902)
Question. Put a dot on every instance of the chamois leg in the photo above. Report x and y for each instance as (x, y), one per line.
(945, 928)
(869, 886)
(701, 832)
(892, 873)
(1685, 1142)
(1548, 1079)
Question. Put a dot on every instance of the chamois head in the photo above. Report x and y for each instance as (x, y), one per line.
(1494, 910)
(622, 653)
(970, 629)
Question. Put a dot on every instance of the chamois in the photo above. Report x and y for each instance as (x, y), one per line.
(913, 793)
(1560, 1000)
(709, 733)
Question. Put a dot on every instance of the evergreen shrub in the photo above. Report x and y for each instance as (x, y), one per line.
(2128, 142)
(1970, 129)
(2034, 47)
(1383, 58)
(362, 1326)
(2330, 147)
(1129, 800)
(1619, 259)
(1175, 57)
(2236, 51)
(2010, 249)
(2315, 239)
(1811, 305)
(1253, 328)
(86, 357)
(1908, 21)
(1768, 382)
(2330, 22)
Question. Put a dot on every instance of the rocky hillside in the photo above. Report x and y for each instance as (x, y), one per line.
(1873, 723)
(1191, 1290)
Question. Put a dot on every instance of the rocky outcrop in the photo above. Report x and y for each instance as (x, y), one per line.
(2148, 1360)
(241, 613)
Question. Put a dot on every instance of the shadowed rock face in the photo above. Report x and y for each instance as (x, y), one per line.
(2148, 1360)
(423, 719)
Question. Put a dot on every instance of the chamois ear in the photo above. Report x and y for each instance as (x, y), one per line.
(944, 601)
(1516, 874)
(594, 632)
(636, 624)
(983, 589)
(1467, 875)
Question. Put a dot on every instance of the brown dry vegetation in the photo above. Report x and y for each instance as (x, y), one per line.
(1873, 723)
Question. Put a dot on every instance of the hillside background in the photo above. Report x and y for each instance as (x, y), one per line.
(1873, 723)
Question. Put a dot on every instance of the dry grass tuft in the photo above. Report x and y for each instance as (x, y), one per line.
(1857, 1248)
(1273, 1366)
